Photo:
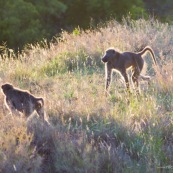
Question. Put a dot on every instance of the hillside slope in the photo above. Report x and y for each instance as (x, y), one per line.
(89, 132)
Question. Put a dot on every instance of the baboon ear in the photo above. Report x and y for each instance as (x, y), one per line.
(38, 104)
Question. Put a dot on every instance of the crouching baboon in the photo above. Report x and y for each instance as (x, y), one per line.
(17, 100)
(123, 61)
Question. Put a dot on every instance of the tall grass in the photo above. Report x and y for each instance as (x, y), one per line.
(88, 132)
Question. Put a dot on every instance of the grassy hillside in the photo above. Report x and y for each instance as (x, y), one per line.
(89, 133)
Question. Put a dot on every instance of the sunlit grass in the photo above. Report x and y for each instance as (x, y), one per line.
(89, 132)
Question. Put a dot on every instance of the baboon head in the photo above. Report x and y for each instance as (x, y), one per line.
(6, 87)
(110, 55)
(39, 107)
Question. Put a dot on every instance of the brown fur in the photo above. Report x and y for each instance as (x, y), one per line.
(123, 61)
(17, 100)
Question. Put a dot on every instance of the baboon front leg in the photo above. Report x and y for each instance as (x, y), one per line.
(108, 77)
(13, 111)
(41, 113)
(108, 80)
(11, 108)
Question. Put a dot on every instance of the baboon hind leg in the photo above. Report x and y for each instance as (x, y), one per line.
(124, 74)
(135, 78)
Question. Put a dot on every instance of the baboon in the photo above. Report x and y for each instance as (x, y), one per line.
(123, 61)
(19, 101)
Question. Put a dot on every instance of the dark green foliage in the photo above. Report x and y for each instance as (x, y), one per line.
(84, 12)
(160, 9)
(29, 21)
(19, 23)
(50, 15)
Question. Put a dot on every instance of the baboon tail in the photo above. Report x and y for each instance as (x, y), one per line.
(147, 48)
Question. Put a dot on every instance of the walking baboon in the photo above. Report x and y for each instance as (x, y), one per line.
(123, 61)
(17, 100)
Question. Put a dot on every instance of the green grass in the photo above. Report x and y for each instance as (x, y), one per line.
(89, 132)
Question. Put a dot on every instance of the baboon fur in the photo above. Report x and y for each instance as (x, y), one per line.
(17, 100)
(123, 61)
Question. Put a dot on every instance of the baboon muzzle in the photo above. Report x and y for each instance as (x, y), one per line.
(104, 59)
